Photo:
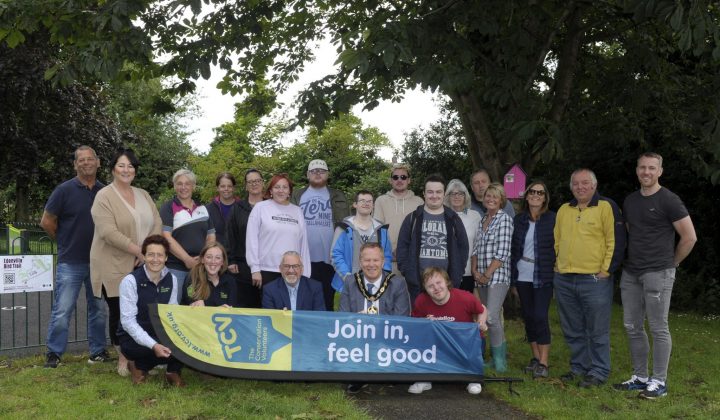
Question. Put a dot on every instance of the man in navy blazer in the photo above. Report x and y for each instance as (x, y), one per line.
(292, 290)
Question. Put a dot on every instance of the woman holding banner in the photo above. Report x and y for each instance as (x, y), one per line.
(150, 284)
(209, 283)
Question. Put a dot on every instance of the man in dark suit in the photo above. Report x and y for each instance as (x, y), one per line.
(293, 291)
(373, 291)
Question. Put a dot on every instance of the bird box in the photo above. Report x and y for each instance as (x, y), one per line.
(514, 182)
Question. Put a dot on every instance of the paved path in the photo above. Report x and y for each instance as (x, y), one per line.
(444, 401)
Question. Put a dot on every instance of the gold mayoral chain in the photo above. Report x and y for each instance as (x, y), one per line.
(372, 310)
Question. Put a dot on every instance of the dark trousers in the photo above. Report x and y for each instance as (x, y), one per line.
(535, 304)
(113, 304)
(144, 358)
(249, 296)
(324, 273)
(467, 284)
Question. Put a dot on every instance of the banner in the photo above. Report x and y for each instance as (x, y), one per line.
(26, 273)
(310, 346)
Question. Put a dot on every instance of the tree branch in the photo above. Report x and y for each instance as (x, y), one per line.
(546, 46)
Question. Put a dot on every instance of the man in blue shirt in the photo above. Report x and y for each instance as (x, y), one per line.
(67, 219)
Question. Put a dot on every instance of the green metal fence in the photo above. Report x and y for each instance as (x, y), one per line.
(24, 316)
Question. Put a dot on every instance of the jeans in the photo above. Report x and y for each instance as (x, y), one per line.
(180, 275)
(648, 295)
(69, 279)
(535, 304)
(584, 304)
(493, 297)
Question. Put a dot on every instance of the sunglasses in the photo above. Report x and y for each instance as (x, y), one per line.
(536, 192)
(396, 177)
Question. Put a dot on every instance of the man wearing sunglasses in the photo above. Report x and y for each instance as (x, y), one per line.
(323, 207)
(392, 207)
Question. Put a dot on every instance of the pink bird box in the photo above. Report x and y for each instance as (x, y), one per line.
(514, 182)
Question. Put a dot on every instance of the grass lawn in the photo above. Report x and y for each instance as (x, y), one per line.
(693, 377)
(77, 389)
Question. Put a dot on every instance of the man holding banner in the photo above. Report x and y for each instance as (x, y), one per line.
(441, 302)
(374, 291)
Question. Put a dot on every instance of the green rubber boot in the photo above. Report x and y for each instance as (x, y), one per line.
(499, 354)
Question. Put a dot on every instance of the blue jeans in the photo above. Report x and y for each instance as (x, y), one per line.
(68, 281)
(585, 304)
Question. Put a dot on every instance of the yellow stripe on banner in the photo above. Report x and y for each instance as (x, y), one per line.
(192, 330)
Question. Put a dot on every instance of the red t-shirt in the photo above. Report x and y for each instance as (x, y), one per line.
(460, 307)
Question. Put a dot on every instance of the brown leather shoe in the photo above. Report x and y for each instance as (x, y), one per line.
(174, 379)
(138, 376)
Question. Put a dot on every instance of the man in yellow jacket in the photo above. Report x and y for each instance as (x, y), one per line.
(589, 244)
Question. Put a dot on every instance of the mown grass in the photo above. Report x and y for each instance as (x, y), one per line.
(693, 378)
(78, 390)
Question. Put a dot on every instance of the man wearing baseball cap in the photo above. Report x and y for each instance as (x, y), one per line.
(323, 207)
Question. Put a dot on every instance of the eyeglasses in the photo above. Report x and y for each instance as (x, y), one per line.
(457, 194)
(363, 202)
(536, 192)
(396, 177)
(292, 266)
(318, 171)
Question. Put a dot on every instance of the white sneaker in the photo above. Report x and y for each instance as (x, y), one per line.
(420, 387)
(474, 388)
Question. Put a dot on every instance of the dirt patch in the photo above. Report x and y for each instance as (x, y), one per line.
(443, 401)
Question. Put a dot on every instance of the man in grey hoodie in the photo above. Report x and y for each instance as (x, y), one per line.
(392, 207)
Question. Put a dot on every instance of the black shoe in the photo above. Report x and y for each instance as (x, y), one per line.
(355, 388)
(541, 371)
(569, 377)
(52, 361)
(590, 381)
(530, 368)
(101, 357)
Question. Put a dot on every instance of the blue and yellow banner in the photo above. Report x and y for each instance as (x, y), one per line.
(329, 346)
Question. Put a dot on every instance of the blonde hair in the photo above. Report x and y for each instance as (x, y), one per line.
(498, 190)
(198, 276)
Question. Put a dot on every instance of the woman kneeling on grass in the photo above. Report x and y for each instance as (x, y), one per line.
(210, 283)
(440, 301)
(150, 283)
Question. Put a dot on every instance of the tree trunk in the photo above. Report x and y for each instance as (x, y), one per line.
(21, 200)
(481, 144)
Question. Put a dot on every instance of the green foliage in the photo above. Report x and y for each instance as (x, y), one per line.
(152, 127)
(40, 125)
(510, 69)
(441, 148)
(350, 150)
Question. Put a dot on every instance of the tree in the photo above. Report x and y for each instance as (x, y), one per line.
(151, 123)
(510, 69)
(441, 148)
(42, 125)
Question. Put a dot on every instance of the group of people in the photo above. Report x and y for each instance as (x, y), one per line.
(453, 255)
